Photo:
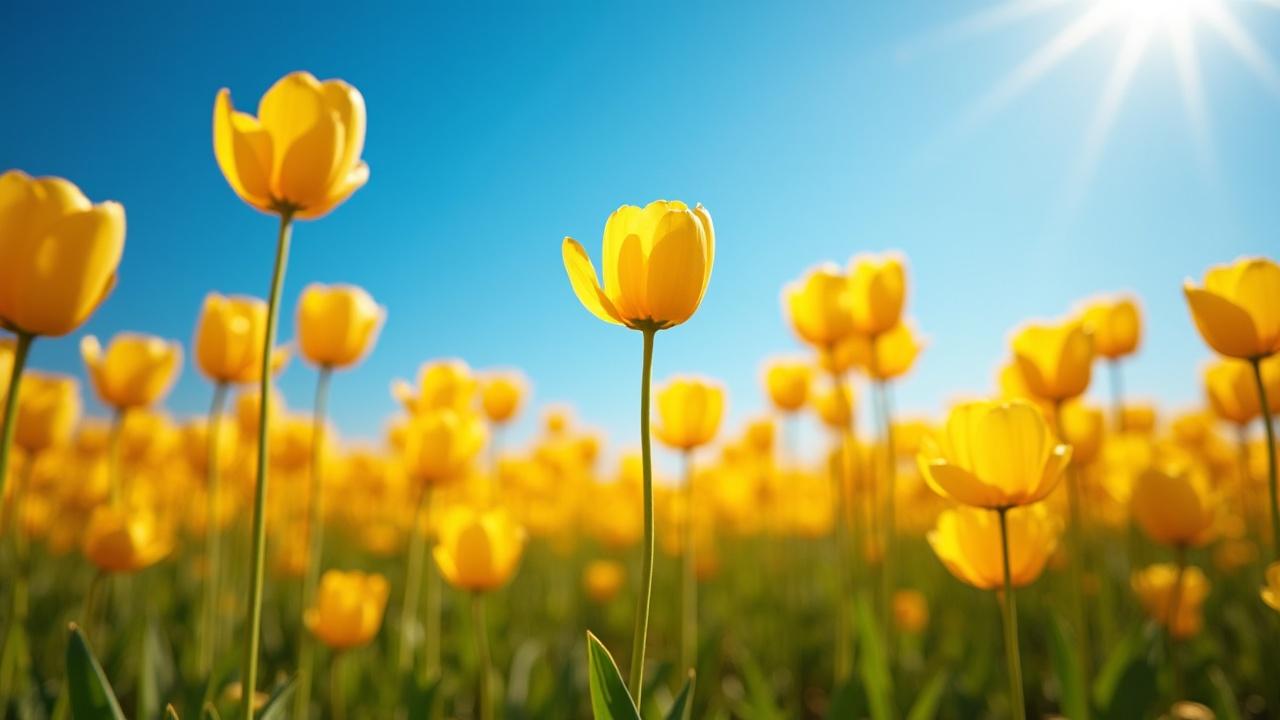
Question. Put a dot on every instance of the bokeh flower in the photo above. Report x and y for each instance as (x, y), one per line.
(348, 608)
(337, 324)
(478, 550)
(135, 371)
(1235, 309)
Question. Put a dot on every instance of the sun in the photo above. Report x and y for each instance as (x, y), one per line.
(1141, 23)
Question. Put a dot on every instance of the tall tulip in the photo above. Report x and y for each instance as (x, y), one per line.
(337, 326)
(298, 159)
(345, 613)
(58, 259)
(501, 394)
(657, 263)
(1115, 324)
(1237, 315)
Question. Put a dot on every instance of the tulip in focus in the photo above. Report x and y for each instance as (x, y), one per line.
(1235, 309)
(348, 609)
(135, 371)
(337, 324)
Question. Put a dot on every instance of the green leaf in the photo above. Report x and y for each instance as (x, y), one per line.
(277, 707)
(930, 698)
(682, 708)
(760, 701)
(609, 697)
(1066, 664)
(1127, 670)
(1225, 705)
(874, 666)
(91, 695)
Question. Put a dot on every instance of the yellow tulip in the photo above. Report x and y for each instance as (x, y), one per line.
(878, 286)
(657, 262)
(689, 412)
(1174, 504)
(442, 384)
(348, 608)
(1236, 310)
(301, 154)
(136, 370)
(994, 455)
(337, 324)
(501, 394)
(1155, 585)
(121, 540)
(58, 254)
(7, 347)
(48, 409)
(1233, 393)
(888, 355)
(478, 551)
(787, 383)
(834, 406)
(1140, 419)
(820, 307)
(602, 580)
(1271, 591)
(1055, 360)
(759, 435)
(248, 404)
(439, 444)
(1082, 427)
(910, 611)
(967, 541)
(1115, 324)
(229, 338)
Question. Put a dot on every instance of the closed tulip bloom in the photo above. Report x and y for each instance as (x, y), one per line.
(1139, 418)
(120, 540)
(1271, 591)
(689, 412)
(1115, 325)
(1055, 360)
(337, 324)
(229, 338)
(834, 406)
(820, 307)
(301, 154)
(1174, 504)
(1154, 586)
(48, 409)
(348, 608)
(1236, 310)
(602, 579)
(501, 394)
(787, 383)
(994, 455)
(895, 351)
(967, 541)
(910, 611)
(1082, 425)
(440, 443)
(135, 371)
(657, 262)
(441, 384)
(58, 254)
(878, 288)
(478, 551)
(1233, 392)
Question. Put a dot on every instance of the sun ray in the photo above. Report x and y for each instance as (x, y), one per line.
(1239, 40)
(980, 23)
(1049, 56)
(1185, 61)
(1113, 95)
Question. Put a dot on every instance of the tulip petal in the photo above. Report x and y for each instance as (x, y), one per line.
(676, 269)
(348, 103)
(1257, 290)
(582, 276)
(243, 149)
(1225, 326)
(960, 485)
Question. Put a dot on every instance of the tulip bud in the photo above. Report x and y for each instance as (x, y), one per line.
(348, 608)
(500, 395)
(689, 412)
(877, 287)
(337, 324)
(48, 409)
(136, 370)
(1235, 310)
(1115, 326)
(478, 550)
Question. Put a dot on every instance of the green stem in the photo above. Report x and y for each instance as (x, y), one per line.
(1018, 704)
(1271, 456)
(315, 546)
(1246, 479)
(212, 545)
(7, 425)
(259, 552)
(689, 576)
(1171, 620)
(485, 671)
(1117, 394)
(887, 579)
(845, 571)
(337, 698)
(646, 571)
(434, 626)
(113, 455)
(413, 581)
(1076, 557)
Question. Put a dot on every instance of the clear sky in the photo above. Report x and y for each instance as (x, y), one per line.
(811, 131)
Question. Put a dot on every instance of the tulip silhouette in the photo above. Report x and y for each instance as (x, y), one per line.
(298, 159)
(657, 263)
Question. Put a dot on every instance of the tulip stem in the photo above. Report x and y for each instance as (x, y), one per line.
(337, 698)
(20, 352)
(646, 570)
(315, 548)
(1076, 558)
(259, 550)
(212, 546)
(1009, 608)
(485, 670)
(689, 576)
(1171, 620)
(1246, 479)
(413, 581)
(1117, 394)
(113, 456)
(1265, 406)
(844, 567)
(887, 580)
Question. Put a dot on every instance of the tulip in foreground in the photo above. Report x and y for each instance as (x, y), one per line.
(298, 159)
(657, 262)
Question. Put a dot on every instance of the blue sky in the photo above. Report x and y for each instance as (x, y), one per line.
(811, 131)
